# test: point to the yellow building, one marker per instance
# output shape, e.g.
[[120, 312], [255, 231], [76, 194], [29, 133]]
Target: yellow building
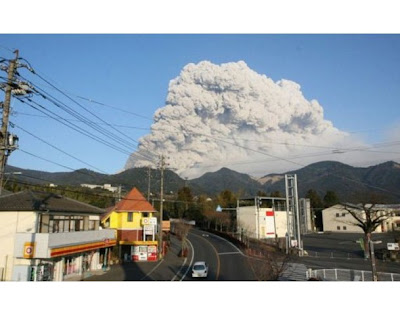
[[136, 227]]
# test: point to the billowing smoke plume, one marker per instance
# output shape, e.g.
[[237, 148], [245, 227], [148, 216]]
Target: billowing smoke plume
[[230, 116]]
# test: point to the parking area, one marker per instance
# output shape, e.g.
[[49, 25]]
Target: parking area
[[345, 243]]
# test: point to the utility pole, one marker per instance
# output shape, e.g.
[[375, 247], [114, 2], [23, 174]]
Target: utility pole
[[7, 141], [162, 166], [148, 184], [373, 262]]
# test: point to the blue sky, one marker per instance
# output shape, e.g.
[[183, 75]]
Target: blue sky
[[355, 78]]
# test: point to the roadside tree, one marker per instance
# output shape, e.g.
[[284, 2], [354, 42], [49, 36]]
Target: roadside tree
[[181, 229], [266, 262], [368, 218]]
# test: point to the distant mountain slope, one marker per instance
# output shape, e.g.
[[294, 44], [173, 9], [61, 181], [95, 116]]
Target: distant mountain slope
[[136, 177], [226, 179], [348, 182]]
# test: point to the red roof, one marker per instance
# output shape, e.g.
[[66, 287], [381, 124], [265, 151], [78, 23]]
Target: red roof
[[134, 201]]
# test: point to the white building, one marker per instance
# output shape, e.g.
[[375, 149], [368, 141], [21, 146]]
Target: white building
[[266, 217], [337, 219], [105, 187], [51, 238]]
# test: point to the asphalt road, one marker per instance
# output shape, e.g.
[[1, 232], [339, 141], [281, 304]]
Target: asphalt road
[[226, 262], [341, 251]]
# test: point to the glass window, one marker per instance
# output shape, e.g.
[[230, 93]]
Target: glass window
[[130, 216], [72, 226], [337, 214], [92, 225], [66, 225], [338, 228]]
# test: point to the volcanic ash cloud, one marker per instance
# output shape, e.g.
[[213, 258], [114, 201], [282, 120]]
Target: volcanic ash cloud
[[230, 116]]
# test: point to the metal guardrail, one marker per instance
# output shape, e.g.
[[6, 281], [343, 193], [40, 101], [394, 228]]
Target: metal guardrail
[[349, 275], [330, 254]]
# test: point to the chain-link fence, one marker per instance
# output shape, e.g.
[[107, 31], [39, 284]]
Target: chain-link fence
[[349, 275]]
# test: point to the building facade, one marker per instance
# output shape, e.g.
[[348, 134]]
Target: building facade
[[135, 223], [338, 219], [266, 217], [48, 237]]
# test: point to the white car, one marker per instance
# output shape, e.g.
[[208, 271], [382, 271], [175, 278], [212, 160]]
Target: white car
[[200, 269]]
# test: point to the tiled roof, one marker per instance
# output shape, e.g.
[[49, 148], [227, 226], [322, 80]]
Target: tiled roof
[[134, 201], [43, 201]]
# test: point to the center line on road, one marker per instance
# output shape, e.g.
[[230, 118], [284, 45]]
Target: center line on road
[[230, 253]]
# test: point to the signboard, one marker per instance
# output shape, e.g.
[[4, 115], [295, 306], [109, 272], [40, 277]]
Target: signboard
[[151, 253], [148, 229], [149, 221], [270, 224], [139, 253], [29, 249], [393, 246]]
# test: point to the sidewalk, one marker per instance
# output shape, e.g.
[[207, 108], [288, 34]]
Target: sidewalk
[[171, 267]]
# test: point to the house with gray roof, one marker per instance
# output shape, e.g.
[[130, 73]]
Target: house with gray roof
[[45, 236]]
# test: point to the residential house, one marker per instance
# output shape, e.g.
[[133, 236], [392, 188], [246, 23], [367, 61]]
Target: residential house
[[135, 223], [49, 237], [338, 219]]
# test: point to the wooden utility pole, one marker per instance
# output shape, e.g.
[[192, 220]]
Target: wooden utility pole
[[160, 238], [4, 141], [148, 184]]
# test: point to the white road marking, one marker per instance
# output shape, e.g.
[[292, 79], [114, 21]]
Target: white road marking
[[230, 253], [162, 260], [184, 262], [240, 252]]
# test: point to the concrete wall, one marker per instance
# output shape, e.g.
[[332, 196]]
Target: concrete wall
[[281, 223], [336, 219], [12, 222], [246, 220]]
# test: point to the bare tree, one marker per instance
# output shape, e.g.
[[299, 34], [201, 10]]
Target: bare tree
[[182, 229], [267, 262], [368, 218]]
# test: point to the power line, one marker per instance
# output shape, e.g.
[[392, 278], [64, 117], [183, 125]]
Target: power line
[[76, 120], [52, 162], [60, 119], [58, 149], [83, 119], [114, 107]]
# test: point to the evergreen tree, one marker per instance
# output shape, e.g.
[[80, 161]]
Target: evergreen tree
[[330, 199], [316, 208]]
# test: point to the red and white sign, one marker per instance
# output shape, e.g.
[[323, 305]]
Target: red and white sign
[[149, 221], [270, 224], [29, 249]]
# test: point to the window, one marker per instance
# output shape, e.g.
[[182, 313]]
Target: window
[[62, 224], [337, 215], [145, 214], [343, 214], [345, 228], [130, 216], [338, 228], [92, 225]]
